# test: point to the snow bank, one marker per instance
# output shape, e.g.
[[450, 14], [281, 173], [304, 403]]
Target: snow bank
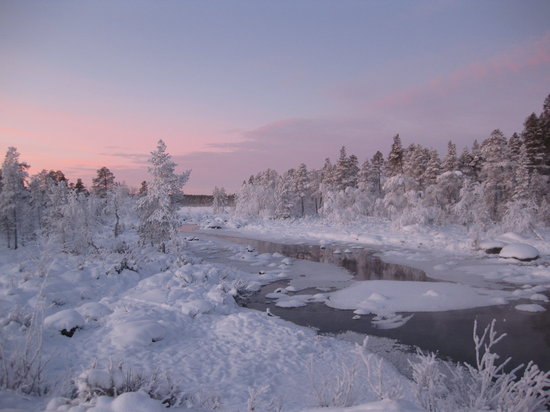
[[385, 405]]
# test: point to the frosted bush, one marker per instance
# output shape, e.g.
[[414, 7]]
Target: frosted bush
[[483, 386], [378, 384], [118, 378], [22, 369], [334, 389]]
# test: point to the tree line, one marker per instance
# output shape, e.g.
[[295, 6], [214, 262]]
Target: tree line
[[498, 181], [47, 206]]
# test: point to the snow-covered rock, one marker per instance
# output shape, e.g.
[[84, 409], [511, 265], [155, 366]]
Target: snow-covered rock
[[520, 251], [129, 401], [93, 311], [491, 246], [65, 321], [138, 333]]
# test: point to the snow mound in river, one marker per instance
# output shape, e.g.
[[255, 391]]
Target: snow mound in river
[[521, 251]]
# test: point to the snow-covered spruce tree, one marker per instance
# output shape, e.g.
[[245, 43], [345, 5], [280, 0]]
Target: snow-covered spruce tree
[[14, 197], [394, 163], [376, 177], [496, 174], [449, 163], [415, 160], [533, 139], [433, 169], [544, 122], [219, 200], [477, 161], [514, 147], [464, 163], [300, 183], [157, 217]]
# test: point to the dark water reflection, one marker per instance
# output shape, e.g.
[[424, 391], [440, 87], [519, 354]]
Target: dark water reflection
[[360, 262], [448, 333]]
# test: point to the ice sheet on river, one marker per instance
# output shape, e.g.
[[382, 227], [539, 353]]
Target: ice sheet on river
[[383, 297]]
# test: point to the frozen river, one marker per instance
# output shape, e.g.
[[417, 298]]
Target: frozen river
[[448, 332]]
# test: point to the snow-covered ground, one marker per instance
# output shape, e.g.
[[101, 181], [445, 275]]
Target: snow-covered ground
[[167, 319], [169, 323]]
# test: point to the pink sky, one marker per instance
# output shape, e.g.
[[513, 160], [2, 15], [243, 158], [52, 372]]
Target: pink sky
[[235, 89]]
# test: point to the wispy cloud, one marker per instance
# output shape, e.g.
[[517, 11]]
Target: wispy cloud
[[134, 158], [517, 59]]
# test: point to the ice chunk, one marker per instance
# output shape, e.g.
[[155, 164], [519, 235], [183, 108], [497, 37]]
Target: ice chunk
[[533, 307], [539, 296]]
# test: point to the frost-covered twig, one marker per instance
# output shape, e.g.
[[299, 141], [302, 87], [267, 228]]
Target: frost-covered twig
[[23, 369], [338, 389], [382, 387]]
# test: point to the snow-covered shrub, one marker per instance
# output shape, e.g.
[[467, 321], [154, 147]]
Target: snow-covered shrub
[[22, 368], [257, 400], [484, 386], [520, 216], [118, 378]]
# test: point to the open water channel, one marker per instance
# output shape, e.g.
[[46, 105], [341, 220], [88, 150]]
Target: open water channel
[[449, 333]]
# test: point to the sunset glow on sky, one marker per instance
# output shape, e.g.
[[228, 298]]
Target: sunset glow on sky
[[235, 87]]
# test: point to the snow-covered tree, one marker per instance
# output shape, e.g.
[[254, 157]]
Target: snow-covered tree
[[300, 183], [157, 217], [477, 161], [142, 188], [54, 224], [14, 196], [377, 170], [470, 209], [496, 173], [514, 147], [345, 172], [117, 206], [415, 160], [544, 122], [79, 186], [315, 188], [286, 198], [533, 139], [219, 200], [103, 182], [449, 163], [394, 163], [433, 168]]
